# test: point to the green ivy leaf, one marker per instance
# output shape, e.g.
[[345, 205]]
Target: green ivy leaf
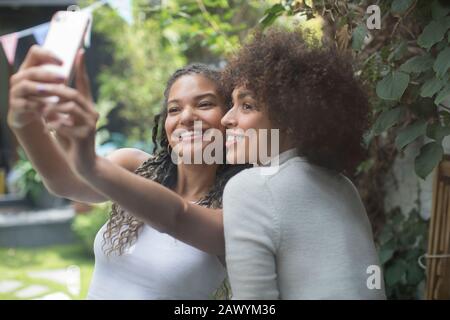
[[442, 95], [358, 35], [432, 33], [399, 51], [442, 62], [431, 86], [428, 158], [386, 254], [417, 64], [385, 236], [395, 272], [271, 14], [387, 119], [437, 132], [393, 85], [414, 274], [400, 6], [410, 133], [438, 10]]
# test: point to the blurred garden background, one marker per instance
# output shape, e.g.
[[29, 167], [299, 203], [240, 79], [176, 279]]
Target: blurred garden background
[[46, 242]]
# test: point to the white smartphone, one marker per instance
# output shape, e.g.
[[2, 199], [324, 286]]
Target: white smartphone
[[64, 38]]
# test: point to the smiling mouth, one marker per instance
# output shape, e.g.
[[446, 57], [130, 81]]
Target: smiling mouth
[[191, 135], [233, 139]]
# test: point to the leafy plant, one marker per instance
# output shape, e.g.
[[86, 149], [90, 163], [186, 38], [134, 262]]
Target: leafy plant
[[401, 242], [26, 180]]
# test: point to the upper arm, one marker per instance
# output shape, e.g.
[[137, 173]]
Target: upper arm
[[251, 237], [128, 158]]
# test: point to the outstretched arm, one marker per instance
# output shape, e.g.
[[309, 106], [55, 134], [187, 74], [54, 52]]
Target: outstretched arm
[[158, 206], [24, 118], [147, 200]]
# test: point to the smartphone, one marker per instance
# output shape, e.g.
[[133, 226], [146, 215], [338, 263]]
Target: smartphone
[[64, 38]]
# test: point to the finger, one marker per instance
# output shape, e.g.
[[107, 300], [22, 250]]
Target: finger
[[63, 111], [65, 131], [82, 82], [65, 93], [28, 88], [37, 56], [52, 115], [37, 74], [28, 105], [61, 135], [59, 118]]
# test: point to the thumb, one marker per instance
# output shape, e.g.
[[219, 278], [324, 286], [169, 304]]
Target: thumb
[[82, 82]]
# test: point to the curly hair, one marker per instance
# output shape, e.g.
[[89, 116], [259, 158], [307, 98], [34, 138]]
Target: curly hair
[[122, 228], [309, 92]]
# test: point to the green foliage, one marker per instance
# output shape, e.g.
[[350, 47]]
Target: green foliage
[[429, 157], [87, 225], [140, 68], [359, 33], [393, 86], [271, 14], [401, 242], [387, 119], [427, 74], [410, 133], [417, 64], [27, 180], [400, 6]]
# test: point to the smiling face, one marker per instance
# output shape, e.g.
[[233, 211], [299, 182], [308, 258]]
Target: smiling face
[[245, 114], [192, 98]]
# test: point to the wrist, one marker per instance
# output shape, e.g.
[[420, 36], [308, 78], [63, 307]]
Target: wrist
[[29, 128], [89, 168], [17, 125]]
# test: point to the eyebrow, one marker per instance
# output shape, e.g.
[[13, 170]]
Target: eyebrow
[[199, 97], [243, 94]]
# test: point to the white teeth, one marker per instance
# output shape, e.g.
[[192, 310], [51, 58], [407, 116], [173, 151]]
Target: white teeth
[[235, 137], [190, 133]]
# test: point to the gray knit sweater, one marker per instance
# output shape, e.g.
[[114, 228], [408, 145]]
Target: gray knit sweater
[[301, 233]]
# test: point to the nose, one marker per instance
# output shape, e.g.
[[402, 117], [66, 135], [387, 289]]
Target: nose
[[188, 116], [229, 119]]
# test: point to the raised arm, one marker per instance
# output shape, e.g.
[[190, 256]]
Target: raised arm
[[26, 105], [158, 206]]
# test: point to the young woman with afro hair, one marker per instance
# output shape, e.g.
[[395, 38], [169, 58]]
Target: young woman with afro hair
[[300, 232]]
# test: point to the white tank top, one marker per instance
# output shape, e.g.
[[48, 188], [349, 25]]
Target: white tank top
[[157, 266]]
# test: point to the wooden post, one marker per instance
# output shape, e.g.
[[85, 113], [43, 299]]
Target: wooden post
[[438, 256]]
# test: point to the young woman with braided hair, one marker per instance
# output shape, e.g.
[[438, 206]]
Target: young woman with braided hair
[[136, 258]]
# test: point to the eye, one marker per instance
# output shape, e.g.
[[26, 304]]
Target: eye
[[247, 107], [205, 104], [173, 109]]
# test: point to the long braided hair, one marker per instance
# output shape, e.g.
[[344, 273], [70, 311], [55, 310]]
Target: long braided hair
[[122, 229]]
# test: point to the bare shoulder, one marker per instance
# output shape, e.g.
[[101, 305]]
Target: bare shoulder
[[128, 158]]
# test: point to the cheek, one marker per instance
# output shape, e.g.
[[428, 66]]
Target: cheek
[[213, 119], [254, 120], [169, 127]]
